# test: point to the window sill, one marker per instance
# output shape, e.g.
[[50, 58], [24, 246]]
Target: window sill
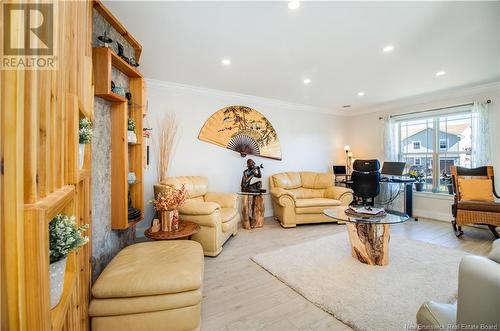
[[432, 195]]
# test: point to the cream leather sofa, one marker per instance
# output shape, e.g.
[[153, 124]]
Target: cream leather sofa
[[150, 286], [478, 302], [216, 213], [301, 197]]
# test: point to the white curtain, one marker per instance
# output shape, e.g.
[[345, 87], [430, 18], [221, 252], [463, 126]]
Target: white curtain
[[390, 140], [481, 145]]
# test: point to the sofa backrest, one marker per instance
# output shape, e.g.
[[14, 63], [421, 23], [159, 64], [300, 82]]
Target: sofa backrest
[[197, 186], [303, 184]]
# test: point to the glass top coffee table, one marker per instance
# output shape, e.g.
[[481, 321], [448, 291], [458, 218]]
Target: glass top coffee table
[[369, 236]]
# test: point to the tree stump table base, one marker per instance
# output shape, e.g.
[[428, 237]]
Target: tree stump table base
[[253, 211], [370, 242]]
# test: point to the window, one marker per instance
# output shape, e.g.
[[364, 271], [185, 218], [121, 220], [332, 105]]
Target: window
[[443, 143], [433, 144]]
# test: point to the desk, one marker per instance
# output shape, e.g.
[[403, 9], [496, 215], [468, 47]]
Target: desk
[[408, 183], [408, 190]]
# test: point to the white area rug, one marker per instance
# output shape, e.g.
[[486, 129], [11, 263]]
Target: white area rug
[[362, 296]]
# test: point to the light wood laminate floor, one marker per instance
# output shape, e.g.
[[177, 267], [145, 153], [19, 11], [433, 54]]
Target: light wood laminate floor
[[240, 295]]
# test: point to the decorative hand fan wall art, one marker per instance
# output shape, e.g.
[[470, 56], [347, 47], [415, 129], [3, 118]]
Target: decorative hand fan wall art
[[243, 130]]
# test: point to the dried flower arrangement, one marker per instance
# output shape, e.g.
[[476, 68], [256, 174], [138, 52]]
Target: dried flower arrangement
[[170, 198], [168, 133], [131, 124]]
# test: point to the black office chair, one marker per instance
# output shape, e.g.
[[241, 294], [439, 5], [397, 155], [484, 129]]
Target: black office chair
[[365, 181]]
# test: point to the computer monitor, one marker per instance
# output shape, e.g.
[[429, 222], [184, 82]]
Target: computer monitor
[[339, 170], [393, 168]]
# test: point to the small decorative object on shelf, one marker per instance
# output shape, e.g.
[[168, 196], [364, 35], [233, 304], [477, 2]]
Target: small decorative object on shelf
[[131, 136], [65, 236], [131, 177], [121, 54], [105, 39], [251, 172], [117, 89], [166, 204], [134, 214], [85, 137], [133, 62], [128, 96], [419, 176]]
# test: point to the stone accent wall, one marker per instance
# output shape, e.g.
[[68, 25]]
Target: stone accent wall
[[106, 243]]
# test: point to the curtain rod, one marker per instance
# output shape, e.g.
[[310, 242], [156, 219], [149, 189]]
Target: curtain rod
[[433, 109]]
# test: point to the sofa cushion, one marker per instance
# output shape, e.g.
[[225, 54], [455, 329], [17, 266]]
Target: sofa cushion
[[144, 304], [316, 202], [317, 180], [227, 214], [492, 207], [307, 193], [152, 268], [195, 185], [287, 180]]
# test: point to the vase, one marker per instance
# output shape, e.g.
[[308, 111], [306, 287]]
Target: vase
[[419, 186], [57, 271], [131, 137], [81, 155], [166, 217], [175, 220]]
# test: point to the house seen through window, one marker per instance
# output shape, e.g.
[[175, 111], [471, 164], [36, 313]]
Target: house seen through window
[[433, 144]]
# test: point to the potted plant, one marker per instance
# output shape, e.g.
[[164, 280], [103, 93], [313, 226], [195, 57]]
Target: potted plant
[[64, 237], [447, 181], [131, 137], [418, 175], [167, 203], [85, 133]]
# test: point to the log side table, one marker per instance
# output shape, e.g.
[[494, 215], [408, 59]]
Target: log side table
[[369, 236], [185, 231], [252, 210]]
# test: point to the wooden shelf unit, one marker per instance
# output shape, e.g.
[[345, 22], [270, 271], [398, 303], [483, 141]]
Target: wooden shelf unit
[[126, 157]]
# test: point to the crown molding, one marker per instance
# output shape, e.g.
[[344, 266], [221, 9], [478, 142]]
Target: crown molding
[[416, 100], [246, 97]]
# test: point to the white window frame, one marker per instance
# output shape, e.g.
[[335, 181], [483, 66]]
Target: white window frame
[[419, 144], [436, 151]]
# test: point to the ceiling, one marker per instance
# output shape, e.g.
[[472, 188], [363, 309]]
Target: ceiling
[[338, 45]]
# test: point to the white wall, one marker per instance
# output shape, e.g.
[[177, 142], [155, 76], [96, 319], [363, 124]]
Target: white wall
[[366, 136], [310, 140]]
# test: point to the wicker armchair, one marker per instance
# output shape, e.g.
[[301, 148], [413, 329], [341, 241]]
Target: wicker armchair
[[474, 212]]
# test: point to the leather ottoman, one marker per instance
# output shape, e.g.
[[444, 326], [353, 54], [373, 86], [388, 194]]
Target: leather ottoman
[[150, 286]]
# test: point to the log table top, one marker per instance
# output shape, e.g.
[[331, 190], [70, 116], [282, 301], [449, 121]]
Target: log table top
[[185, 231]]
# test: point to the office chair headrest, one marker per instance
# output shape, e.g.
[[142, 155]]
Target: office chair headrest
[[366, 165]]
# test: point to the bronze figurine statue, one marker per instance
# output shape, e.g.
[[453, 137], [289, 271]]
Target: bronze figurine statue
[[251, 172]]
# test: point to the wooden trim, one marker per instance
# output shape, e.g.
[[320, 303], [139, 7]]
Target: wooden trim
[[120, 28]]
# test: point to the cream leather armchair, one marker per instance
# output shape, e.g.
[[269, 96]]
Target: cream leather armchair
[[478, 302], [301, 197], [216, 213]]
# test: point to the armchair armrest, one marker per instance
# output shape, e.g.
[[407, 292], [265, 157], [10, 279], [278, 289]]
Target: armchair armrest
[[193, 207], [225, 200], [339, 193], [282, 196]]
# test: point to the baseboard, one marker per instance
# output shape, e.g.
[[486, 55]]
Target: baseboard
[[443, 217]]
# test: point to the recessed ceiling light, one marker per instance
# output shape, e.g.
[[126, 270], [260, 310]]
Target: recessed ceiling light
[[361, 94], [293, 5], [388, 48], [346, 106], [440, 73], [307, 81], [225, 62]]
